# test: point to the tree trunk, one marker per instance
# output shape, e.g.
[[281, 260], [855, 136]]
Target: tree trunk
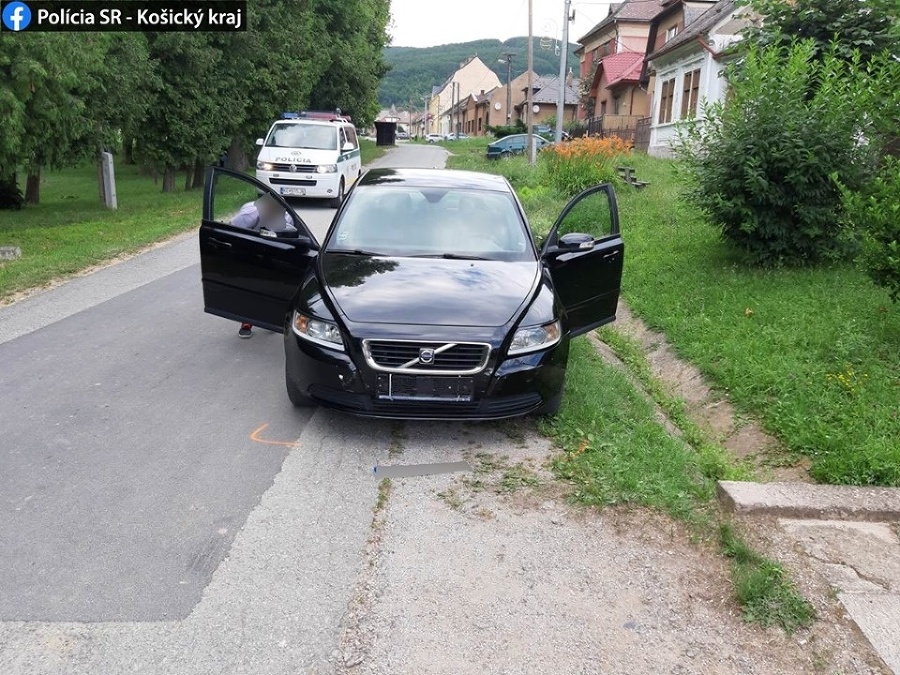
[[128, 149], [199, 173], [10, 195], [188, 177], [237, 158], [169, 179], [33, 188]]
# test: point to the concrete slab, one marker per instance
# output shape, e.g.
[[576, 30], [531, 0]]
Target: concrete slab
[[860, 556], [801, 500], [878, 617]]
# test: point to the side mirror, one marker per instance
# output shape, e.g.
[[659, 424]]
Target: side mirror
[[259, 141], [575, 241], [269, 234], [348, 146]]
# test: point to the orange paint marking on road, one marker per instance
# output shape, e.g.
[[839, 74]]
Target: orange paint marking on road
[[255, 437]]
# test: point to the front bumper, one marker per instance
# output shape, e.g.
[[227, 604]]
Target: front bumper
[[509, 387], [313, 185]]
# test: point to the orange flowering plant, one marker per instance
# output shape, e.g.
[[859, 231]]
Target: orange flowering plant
[[578, 164]]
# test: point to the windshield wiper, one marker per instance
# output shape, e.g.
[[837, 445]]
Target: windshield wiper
[[358, 251], [450, 256]]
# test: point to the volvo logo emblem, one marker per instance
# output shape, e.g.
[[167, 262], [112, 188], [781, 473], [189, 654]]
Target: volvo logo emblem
[[426, 356], [293, 168]]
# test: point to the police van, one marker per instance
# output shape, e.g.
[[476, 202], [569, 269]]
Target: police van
[[310, 154]]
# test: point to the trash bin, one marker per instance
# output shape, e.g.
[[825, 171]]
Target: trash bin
[[385, 133]]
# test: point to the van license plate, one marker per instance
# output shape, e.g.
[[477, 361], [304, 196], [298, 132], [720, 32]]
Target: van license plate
[[293, 192]]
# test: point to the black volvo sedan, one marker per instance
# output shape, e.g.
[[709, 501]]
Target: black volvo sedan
[[430, 297]]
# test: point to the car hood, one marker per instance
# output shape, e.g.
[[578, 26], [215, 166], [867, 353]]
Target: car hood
[[428, 291]]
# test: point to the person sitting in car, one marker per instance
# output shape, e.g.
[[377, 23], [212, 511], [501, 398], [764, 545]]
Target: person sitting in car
[[264, 213]]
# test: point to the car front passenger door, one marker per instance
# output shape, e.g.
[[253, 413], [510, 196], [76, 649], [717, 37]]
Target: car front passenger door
[[585, 253]]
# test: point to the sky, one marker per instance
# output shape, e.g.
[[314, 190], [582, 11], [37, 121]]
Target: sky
[[425, 23]]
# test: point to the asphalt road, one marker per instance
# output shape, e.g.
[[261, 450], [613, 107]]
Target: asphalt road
[[137, 434]]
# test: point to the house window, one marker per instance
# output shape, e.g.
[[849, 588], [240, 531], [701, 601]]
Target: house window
[[690, 94], [665, 101], [602, 108], [671, 32], [615, 105]]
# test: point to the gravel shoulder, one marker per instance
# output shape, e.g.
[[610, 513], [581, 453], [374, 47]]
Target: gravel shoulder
[[493, 572]]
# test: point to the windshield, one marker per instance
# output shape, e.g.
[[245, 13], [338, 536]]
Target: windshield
[[310, 136], [439, 222]]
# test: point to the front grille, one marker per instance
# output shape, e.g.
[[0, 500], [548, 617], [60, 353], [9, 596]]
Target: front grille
[[292, 181], [301, 168], [449, 358]]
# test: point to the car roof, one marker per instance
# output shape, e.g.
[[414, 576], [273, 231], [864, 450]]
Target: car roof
[[442, 178], [313, 120], [514, 136]]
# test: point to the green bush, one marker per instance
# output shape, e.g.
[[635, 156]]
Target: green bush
[[503, 131], [874, 213], [761, 165]]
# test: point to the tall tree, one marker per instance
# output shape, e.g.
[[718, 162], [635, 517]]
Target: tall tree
[[353, 50], [191, 100], [867, 26], [45, 83], [119, 93]]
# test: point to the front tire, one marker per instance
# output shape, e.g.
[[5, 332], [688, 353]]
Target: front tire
[[551, 407], [297, 397], [336, 202]]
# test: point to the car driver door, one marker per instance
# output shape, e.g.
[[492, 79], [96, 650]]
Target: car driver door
[[584, 253], [249, 274]]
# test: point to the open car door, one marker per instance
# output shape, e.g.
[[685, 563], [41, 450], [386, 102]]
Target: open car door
[[250, 272], [585, 253]]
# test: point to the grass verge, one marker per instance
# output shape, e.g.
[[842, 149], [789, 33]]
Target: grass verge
[[814, 354], [370, 150], [614, 450], [71, 230]]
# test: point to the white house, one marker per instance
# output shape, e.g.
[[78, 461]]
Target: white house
[[688, 69]]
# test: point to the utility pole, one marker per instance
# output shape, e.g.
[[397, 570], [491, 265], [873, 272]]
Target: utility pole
[[532, 154], [561, 101], [508, 57], [456, 117]]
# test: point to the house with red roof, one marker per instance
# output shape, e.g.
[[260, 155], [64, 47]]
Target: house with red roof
[[618, 93]]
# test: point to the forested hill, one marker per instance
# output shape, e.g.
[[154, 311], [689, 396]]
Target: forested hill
[[415, 70]]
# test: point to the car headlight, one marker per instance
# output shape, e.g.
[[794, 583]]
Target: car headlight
[[327, 168], [533, 338], [265, 166], [321, 332]]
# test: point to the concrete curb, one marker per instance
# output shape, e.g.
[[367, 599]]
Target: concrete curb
[[817, 502]]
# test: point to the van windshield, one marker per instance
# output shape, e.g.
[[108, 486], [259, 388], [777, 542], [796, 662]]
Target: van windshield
[[310, 136]]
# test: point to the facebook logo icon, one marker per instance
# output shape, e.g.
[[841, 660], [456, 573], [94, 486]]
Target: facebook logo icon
[[16, 16]]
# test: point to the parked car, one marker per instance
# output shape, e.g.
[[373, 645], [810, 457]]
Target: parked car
[[515, 144], [429, 297], [452, 136], [434, 138], [403, 135]]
